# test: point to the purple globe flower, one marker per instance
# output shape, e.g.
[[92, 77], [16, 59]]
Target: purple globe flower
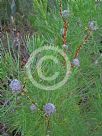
[[49, 108], [15, 86], [93, 25], [76, 62], [33, 107]]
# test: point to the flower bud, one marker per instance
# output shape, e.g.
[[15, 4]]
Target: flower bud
[[65, 15], [76, 62], [33, 107], [92, 25]]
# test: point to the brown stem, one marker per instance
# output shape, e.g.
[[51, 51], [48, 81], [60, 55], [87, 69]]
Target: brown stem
[[65, 26], [61, 7], [30, 99], [65, 32], [86, 38], [47, 118]]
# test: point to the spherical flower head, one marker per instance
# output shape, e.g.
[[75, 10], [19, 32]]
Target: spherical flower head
[[93, 25], [49, 108], [76, 62], [33, 107], [15, 86], [65, 14]]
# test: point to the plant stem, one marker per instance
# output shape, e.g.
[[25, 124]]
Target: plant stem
[[65, 32], [47, 118], [86, 38], [61, 7]]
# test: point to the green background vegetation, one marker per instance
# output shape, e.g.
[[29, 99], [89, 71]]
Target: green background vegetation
[[79, 102]]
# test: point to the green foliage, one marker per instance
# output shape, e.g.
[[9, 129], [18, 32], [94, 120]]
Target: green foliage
[[79, 102], [16, 8]]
